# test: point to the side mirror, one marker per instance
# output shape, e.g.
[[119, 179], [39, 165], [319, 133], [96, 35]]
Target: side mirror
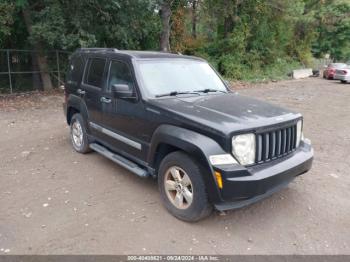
[[122, 91]]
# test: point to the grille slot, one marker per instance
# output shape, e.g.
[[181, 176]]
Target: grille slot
[[274, 144]]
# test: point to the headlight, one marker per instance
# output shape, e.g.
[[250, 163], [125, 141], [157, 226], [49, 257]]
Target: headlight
[[299, 132], [243, 148]]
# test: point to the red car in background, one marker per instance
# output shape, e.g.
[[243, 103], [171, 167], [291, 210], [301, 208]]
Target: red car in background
[[329, 72]]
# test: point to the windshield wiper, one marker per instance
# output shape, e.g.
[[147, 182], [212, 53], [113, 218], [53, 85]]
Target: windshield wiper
[[208, 90], [175, 93]]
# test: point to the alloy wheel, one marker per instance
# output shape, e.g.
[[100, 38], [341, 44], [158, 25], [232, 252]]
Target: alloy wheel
[[77, 134], [178, 187]]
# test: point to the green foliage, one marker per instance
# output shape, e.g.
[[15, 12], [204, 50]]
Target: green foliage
[[69, 24], [6, 21], [333, 31], [269, 38], [243, 39], [264, 41], [122, 24]]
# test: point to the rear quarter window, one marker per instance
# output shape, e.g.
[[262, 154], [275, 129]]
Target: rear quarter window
[[75, 70]]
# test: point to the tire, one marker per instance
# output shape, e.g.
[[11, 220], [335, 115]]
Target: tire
[[343, 81], [181, 164], [80, 145]]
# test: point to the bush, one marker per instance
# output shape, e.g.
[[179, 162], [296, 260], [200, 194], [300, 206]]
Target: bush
[[250, 67]]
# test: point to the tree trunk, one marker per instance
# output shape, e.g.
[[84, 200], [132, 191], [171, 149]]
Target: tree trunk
[[232, 17], [194, 18], [36, 80], [40, 56], [228, 25], [165, 14]]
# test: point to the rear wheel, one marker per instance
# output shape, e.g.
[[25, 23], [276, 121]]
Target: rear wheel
[[182, 187], [78, 134], [343, 81]]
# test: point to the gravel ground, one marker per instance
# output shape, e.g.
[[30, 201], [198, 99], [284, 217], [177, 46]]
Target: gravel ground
[[56, 201]]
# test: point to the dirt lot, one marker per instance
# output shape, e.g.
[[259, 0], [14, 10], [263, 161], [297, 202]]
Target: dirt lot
[[55, 201]]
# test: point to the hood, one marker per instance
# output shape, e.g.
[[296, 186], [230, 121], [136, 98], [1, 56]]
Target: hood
[[225, 113]]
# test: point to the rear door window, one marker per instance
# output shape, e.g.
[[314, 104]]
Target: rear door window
[[95, 70]]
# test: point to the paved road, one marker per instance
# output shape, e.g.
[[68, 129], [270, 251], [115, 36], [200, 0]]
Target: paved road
[[55, 201]]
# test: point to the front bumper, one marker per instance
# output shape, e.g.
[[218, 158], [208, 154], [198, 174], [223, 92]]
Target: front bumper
[[243, 186]]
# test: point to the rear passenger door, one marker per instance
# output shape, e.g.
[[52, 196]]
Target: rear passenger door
[[93, 82]]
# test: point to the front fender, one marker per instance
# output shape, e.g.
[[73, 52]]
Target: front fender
[[198, 146]]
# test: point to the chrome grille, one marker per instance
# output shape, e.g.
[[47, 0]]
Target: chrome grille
[[274, 144]]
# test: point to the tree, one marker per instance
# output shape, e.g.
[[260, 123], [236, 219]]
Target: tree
[[39, 55], [255, 36], [6, 21], [165, 14], [332, 22], [49, 24], [195, 5]]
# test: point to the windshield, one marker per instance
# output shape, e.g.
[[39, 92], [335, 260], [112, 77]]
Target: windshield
[[161, 77]]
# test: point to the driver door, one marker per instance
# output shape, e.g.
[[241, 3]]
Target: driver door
[[124, 118]]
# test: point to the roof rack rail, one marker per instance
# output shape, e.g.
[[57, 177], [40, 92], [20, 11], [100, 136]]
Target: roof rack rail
[[94, 49]]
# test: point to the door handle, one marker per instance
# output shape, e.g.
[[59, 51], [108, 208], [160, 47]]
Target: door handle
[[105, 100], [80, 92]]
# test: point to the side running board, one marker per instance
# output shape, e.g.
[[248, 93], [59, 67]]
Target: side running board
[[122, 161]]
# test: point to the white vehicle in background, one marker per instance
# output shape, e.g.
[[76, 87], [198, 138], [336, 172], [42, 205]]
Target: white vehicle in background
[[343, 74]]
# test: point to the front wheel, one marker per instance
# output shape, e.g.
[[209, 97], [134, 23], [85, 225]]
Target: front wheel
[[343, 81], [182, 187], [78, 134]]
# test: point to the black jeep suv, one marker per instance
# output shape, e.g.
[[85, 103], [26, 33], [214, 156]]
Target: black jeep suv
[[172, 117]]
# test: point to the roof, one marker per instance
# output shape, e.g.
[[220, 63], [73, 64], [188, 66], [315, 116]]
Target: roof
[[138, 54]]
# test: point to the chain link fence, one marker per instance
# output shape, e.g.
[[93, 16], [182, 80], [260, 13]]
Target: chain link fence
[[19, 70]]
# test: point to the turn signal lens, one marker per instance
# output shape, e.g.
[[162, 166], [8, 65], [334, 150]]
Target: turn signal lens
[[218, 179], [223, 159]]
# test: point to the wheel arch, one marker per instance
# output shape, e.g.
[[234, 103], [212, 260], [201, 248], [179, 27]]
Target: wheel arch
[[168, 138], [70, 112], [162, 150], [76, 105]]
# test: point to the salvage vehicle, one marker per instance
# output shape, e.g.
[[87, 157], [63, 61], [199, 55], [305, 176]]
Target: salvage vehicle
[[172, 117]]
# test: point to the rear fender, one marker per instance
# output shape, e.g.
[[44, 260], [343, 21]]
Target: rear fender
[[78, 104]]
